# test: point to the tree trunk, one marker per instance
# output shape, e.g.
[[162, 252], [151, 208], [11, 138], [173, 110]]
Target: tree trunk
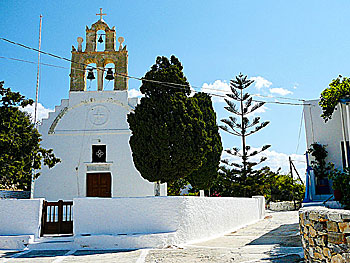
[[157, 188]]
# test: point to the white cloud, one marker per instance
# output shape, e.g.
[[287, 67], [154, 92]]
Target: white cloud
[[281, 91], [276, 160], [260, 82], [219, 87], [193, 91], [134, 93], [262, 109], [222, 88], [42, 112]]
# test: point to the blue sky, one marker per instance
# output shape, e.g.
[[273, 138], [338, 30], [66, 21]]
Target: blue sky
[[293, 49]]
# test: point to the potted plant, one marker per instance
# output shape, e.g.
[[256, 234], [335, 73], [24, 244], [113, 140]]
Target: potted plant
[[341, 186], [336, 177]]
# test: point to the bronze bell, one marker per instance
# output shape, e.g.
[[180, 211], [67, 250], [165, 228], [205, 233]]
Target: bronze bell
[[100, 40], [109, 75], [90, 75]]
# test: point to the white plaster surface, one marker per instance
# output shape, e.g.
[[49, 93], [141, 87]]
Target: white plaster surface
[[20, 217], [15, 242], [77, 128], [327, 133], [137, 241], [169, 220]]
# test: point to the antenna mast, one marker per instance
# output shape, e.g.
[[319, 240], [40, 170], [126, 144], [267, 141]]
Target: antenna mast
[[37, 77], [36, 99]]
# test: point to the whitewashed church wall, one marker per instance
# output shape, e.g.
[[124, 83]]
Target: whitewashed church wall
[[329, 133], [72, 141], [187, 218], [20, 217]]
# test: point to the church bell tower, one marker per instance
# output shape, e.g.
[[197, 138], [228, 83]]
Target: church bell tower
[[81, 59]]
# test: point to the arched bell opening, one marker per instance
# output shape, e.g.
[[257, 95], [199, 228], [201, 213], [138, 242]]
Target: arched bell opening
[[100, 40], [109, 76], [91, 77]]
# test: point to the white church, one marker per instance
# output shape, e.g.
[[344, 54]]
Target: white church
[[89, 131]]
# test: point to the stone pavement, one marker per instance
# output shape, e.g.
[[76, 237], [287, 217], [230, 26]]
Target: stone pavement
[[274, 239]]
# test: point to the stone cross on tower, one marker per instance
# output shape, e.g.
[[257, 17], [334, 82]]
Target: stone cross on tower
[[100, 14]]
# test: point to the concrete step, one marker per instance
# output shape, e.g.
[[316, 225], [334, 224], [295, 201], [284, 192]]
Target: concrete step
[[53, 243]]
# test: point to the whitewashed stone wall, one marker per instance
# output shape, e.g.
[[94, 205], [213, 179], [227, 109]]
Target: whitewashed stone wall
[[20, 217], [165, 220]]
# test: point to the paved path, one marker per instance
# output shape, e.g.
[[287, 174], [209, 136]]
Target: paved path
[[274, 239]]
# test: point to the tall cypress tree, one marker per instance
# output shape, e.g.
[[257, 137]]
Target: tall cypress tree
[[240, 125], [204, 176], [170, 137]]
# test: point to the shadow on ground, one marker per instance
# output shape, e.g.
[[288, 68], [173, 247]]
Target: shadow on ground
[[55, 253], [288, 243]]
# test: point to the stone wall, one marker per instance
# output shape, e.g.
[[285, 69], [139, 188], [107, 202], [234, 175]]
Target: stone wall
[[284, 206], [14, 194], [325, 234]]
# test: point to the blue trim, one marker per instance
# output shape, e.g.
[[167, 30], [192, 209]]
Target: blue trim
[[307, 198], [344, 100]]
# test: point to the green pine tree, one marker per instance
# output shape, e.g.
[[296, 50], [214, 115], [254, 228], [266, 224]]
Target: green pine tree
[[240, 125]]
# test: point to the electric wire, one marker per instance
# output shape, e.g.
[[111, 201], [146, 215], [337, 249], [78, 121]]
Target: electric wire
[[56, 66], [300, 126], [164, 83]]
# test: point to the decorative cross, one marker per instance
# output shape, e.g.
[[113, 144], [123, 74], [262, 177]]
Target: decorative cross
[[98, 115], [99, 153], [100, 14]]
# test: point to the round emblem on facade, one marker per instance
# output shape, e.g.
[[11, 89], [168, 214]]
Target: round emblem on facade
[[98, 115]]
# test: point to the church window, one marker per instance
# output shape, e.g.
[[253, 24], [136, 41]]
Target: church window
[[99, 153]]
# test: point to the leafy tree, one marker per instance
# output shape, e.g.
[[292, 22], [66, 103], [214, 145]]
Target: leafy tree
[[338, 89], [341, 182], [170, 137], [273, 185], [243, 127], [284, 188], [20, 150]]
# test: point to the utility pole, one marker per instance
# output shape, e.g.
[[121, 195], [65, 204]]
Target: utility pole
[[36, 102], [291, 175]]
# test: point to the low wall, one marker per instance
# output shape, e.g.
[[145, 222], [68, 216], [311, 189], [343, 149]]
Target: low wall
[[325, 234], [284, 206], [14, 194], [20, 217], [173, 220]]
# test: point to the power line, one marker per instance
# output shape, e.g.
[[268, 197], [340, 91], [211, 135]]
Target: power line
[[32, 62], [300, 126], [164, 83]]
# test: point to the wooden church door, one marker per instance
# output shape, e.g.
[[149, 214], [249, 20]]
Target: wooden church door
[[98, 185]]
